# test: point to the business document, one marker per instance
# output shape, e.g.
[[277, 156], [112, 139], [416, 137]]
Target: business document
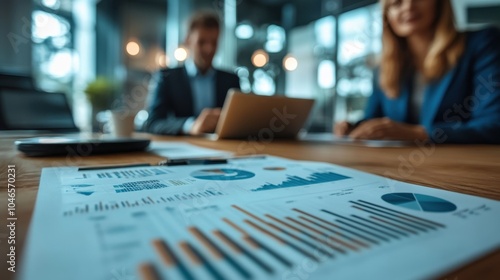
[[253, 218]]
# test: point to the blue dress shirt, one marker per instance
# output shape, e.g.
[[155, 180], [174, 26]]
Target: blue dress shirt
[[203, 90]]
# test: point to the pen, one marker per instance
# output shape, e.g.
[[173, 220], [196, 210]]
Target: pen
[[175, 162], [205, 161]]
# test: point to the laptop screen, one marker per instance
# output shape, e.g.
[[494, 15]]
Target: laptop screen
[[34, 110]]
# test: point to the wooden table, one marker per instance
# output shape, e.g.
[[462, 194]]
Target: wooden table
[[471, 169]]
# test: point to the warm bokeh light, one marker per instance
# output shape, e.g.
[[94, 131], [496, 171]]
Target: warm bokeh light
[[260, 58], [133, 48], [162, 60], [290, 63], [180, 54]]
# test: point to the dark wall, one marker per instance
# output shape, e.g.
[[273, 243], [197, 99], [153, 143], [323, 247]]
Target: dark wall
[[108, 38], [488, 14], [315, 9], [15, 34], [119, 20], [306, 11]]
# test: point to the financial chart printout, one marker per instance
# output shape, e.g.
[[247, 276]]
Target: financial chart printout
[[255, 218]]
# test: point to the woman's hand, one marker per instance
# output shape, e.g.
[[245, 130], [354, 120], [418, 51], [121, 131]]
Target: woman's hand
[[387, 129]]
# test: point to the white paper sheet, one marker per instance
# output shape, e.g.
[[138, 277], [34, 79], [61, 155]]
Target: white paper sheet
[[180, 150], [330, 138], [266, 218]]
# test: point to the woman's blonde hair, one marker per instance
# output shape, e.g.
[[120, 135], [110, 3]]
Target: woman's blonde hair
[[445, 50]]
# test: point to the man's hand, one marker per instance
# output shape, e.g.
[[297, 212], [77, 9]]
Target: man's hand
[[206, 121], [342, 128], [387, 129]]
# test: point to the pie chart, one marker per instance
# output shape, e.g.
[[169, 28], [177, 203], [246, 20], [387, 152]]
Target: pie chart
[[419, 202], [222, 174]]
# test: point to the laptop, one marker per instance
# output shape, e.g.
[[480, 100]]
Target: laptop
[[29, 112], [264, 117], [35, 111]]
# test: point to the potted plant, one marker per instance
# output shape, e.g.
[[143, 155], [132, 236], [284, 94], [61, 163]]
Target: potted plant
[[101, 93]]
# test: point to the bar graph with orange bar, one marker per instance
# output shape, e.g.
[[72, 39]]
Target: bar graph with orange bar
[[250, 242]]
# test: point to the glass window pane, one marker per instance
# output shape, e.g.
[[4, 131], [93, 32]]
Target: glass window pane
[[360, 43]]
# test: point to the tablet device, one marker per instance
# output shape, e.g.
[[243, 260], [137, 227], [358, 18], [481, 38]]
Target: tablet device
[[249, 115], [48, 146]]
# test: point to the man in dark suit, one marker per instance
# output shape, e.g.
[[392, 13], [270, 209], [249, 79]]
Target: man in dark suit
[[187, 100]]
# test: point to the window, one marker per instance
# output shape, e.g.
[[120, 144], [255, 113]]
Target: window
[[54, 58], [360, 33]]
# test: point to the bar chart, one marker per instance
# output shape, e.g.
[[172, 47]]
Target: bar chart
[[296, 181], [74, 176], [101, 206], [130, 173], [255, 243]]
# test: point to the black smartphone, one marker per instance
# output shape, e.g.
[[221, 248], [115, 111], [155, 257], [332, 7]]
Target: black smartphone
[[49, 146]]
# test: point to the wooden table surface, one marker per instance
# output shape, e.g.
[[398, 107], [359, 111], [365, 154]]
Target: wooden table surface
[[471, 169]]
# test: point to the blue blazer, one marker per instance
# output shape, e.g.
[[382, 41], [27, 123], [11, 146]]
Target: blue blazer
[[172, 100], [461, 107]]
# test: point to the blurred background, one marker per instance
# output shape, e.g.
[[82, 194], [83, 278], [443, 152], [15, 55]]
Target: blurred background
[[321, 49]]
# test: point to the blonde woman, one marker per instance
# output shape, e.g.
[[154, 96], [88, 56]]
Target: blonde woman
[[434, 83]]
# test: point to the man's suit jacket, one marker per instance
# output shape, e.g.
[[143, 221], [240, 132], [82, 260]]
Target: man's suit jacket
[[172, 102], [461, 107]]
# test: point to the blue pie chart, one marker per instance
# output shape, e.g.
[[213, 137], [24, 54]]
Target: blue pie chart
[[222, 174], [419, 202]]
